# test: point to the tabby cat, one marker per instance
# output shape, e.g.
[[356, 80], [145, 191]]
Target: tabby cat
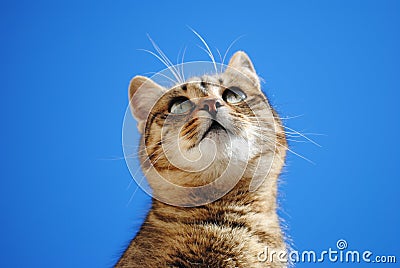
[[212, 149]]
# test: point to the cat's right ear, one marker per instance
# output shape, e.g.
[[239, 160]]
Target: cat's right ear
[[143, 95], [242, 63]]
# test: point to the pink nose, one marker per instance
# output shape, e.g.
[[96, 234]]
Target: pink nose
[[210, 105]]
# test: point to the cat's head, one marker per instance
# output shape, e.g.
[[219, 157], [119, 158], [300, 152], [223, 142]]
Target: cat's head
[[194, 132]]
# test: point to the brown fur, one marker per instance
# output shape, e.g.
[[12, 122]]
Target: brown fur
[[232, 230]]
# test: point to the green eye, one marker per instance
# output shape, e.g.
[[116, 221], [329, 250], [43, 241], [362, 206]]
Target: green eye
[[180, 106], [233, 95]]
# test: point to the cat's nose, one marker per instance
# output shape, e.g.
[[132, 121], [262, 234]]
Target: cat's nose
[[210, 105]]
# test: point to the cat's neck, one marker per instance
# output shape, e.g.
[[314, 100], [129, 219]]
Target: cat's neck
[[261, 201]]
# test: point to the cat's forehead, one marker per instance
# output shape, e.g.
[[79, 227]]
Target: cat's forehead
[[213, 85], [200, 86]]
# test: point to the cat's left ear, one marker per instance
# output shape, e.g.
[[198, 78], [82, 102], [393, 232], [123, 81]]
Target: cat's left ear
[[241, 62], [143, 95]]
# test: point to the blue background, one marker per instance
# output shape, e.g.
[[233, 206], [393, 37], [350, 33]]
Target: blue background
[[65, 69]]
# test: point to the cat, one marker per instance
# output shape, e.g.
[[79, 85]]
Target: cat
[[212, 149]]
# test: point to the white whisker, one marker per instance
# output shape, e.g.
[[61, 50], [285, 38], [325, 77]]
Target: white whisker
[[165, 76], [302, 135], [220, 58], [166, 59], [182, 64], [165, 63], [230, 46], [265, 138], [208, 48]]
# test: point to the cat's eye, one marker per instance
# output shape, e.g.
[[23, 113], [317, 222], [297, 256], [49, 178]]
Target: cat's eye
[[180, 106], [233, 95]]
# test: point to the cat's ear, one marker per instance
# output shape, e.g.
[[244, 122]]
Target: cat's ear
[[242, 63], [143, 95]]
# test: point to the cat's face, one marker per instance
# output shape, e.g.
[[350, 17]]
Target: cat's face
[[194, 131]]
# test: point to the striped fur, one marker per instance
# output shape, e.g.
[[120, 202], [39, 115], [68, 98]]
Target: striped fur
[[232, 230]]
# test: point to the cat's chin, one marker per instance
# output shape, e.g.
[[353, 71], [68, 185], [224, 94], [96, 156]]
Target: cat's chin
[[215, 131], [218, 137], [224, 147]]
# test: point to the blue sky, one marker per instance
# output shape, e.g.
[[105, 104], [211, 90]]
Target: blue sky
[[65, 68]]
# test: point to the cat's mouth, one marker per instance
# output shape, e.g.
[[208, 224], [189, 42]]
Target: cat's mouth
[[214, 128]]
